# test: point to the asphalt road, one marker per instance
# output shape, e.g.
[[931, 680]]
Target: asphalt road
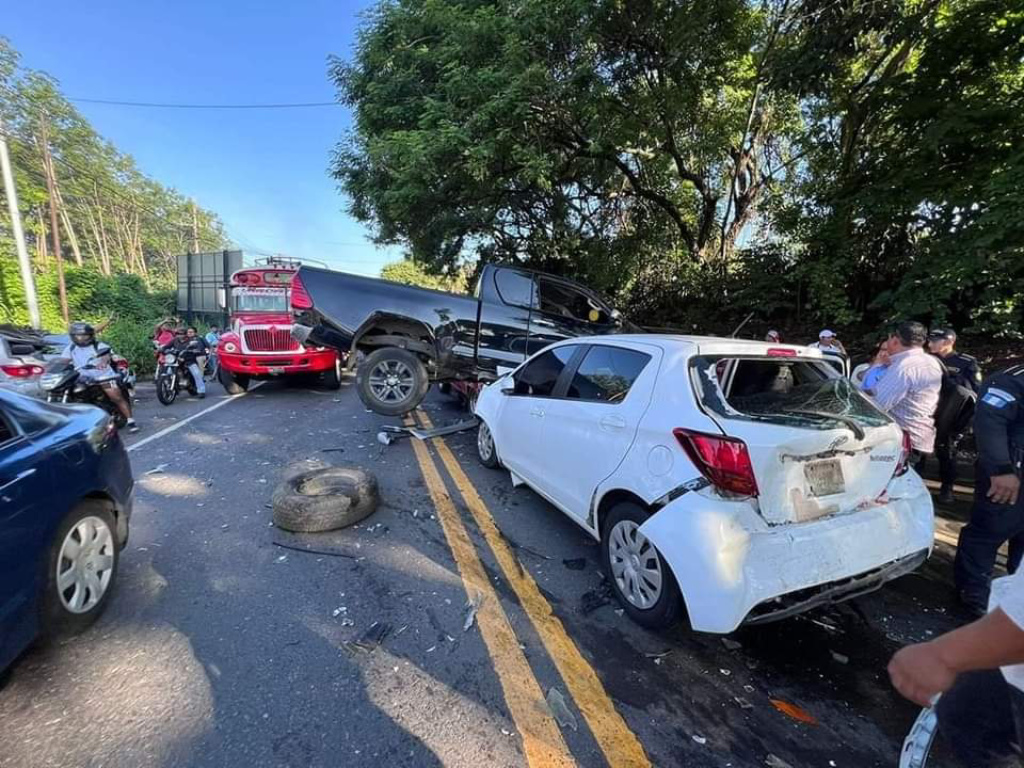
[[221, 648]]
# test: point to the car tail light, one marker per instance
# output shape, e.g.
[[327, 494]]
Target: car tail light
[[780, 352], [300, 298], [22, 371], [905, 451], [724, 461]]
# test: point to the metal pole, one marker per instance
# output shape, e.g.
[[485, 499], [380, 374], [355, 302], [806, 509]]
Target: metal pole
[[19, 237]]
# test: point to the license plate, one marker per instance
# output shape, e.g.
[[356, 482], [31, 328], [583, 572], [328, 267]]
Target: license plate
[[276, 370], [825, 478]]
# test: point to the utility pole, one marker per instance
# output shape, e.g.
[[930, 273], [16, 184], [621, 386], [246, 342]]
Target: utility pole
[[54, 229], [19, 237], [195, 228]]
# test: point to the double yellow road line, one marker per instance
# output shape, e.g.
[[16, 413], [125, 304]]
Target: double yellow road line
[[543, 743]]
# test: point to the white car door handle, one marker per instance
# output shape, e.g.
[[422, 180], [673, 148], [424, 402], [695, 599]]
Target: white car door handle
[[613, 423], [538, 412], [19, 476]]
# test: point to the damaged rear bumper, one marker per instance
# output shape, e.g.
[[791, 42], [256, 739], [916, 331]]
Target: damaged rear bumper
[[733, 568]]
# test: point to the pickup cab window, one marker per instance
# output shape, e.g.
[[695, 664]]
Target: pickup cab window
[[563, 300], [516, 288], [539, 377]]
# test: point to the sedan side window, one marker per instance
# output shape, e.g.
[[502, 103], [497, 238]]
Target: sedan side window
[[606, 374], [7, 431], [539, 377]]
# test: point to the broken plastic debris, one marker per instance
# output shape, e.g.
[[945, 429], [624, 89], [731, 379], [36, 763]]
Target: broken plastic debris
[[338, 611], [776, 762], [731, 645], [575, 564], [560, 710], [699, 739], [282, 558], [841, 658], [744, 704], [725, 672], [472, 606], [158, 469], [795, 712], [658, 656]]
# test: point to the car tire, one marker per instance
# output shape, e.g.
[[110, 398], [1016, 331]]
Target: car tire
[[325, 499], [233, 384], [486, 450], [392, 371], [620, 538], [166, 391], [330, 380], [85, 543]]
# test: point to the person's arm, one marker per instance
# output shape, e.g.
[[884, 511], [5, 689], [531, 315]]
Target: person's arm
[[891, 389], [922, 671], [973, 376]]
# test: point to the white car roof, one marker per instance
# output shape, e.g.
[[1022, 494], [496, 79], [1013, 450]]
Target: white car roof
[[677, 342]]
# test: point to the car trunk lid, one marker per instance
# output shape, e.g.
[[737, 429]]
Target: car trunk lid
[[817, 446]]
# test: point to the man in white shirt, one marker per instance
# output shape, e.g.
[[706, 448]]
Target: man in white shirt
[[92, 360], [979, 670], [829, 344], [909, 391]]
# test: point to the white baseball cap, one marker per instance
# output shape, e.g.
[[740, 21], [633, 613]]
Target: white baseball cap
[[826, 334]]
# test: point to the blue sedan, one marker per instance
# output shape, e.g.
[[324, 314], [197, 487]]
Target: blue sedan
[[65, 501]]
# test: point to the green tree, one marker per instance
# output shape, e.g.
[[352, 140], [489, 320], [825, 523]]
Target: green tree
[[409, 272]]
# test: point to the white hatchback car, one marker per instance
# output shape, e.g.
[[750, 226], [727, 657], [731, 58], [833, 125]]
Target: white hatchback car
[[738, 481]]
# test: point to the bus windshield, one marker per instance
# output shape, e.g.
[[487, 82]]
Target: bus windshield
[[260, 299]]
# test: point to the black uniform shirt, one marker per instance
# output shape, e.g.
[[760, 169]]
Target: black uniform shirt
[[963, 369], [999, 422]]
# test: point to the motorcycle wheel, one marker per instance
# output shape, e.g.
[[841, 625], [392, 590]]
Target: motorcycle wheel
[[166, 389]]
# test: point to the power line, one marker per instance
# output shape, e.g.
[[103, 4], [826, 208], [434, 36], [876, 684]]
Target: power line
[[159, 105]]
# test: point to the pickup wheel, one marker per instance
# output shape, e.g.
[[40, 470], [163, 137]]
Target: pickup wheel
[[642, 580], [392, 381], [233, 385]]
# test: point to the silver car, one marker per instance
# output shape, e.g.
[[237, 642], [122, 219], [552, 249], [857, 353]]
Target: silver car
[[21, 364]]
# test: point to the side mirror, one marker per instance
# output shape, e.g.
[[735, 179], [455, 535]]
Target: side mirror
[[616, 317], [507, 386]]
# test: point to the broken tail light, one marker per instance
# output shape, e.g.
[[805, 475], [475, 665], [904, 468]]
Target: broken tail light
[[300, 297], [905, 452], [725, 461]]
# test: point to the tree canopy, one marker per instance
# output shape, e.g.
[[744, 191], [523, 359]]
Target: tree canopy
[[851, 161]]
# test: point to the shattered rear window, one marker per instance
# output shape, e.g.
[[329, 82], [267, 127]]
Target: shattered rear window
[[799, 392]]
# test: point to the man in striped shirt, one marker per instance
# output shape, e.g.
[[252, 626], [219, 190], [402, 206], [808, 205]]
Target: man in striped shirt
[[909, 391]]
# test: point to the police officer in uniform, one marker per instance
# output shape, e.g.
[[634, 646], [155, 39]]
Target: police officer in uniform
[[998, 513], [961, 371]]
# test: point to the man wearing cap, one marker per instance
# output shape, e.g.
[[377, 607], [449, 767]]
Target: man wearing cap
[[909, 391], [998, 513], [829, 344], [960, 389]]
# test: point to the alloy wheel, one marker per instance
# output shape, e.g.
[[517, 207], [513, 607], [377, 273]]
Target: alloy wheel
[[85, 565], [484, 442], [392, 381], [635, 564]]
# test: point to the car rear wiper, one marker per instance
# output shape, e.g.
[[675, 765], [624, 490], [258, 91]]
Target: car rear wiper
[[857, 429]]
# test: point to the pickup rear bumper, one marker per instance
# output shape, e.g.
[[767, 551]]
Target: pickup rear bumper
[[319, 335]]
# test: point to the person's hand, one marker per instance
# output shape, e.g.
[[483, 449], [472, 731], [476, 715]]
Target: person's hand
[[1003, 489], [919, 673]]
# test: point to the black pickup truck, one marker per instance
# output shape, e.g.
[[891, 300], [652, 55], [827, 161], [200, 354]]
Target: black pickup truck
[[412, 336]]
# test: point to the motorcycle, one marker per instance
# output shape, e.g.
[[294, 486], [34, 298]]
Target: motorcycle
[[173, 375], [63, 383]]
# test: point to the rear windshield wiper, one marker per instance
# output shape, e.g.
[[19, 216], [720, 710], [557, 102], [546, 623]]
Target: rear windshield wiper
[[857, 429]]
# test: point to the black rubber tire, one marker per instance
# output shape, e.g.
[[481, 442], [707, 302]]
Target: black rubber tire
[[56, 620], [420, 385], [488, 458], [190, 385], [325, 499], [329, 379], [233, 384], [166, 392], [669, 607]]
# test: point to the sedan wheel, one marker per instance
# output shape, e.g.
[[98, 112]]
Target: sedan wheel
[[85, 565], [643, 581], [485, 449], [635, 565]]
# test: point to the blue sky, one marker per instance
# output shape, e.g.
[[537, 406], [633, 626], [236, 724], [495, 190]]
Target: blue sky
[[263, 171]]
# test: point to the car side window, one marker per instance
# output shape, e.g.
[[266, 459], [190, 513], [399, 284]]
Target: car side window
[[7, 431], [563, 300], [516, 288], [606, 374], [539, 377]]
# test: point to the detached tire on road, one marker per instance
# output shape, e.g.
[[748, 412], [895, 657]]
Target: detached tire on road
[[325, 499], [233, 385], [392, 381]]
